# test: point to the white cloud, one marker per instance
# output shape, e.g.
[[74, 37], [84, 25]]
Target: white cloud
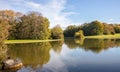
[[111, 19], [34, 5], [53, 9]]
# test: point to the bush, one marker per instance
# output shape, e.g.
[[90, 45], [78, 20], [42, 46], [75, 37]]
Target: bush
[[57, 32], [79, 34]]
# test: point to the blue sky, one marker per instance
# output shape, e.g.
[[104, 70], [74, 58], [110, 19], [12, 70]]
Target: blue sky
[[67, 12]]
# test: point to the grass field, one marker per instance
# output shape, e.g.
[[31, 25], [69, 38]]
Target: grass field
[[28, 41], [117, 36]]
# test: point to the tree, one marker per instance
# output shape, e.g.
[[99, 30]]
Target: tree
[[30, 26], [70, 31], [86, 29], [3, 30], [33, 26], [4, 26], [12, 18], [93, 28], [79, 34], [13, 25], [117, 28], [57, 32], [108, 29], [5, 16]]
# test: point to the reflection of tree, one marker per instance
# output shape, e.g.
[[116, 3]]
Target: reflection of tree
[[109, 43], [95, 45], [117, 42], [32, 54], [79, 41], [70, 43], [57, 46], [3, 50]]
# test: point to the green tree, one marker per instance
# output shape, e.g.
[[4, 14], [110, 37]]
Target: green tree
[[93, 28], [70, 31], [117, 28], [79, 34], [13, 25], [57, 32], [33, 26]]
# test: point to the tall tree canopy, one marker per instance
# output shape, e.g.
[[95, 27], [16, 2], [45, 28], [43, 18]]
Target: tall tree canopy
[[11, 18], [70, 31], [24, 26], [93, 28], [3, 30], [33, 26], [117, 28], [3, 25], [108, 29], [57, 32]]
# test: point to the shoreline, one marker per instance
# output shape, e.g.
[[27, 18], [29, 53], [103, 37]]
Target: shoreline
[[116, 36], [28, 41]]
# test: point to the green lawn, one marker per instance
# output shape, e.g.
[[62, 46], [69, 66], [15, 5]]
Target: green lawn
[[28, 41], [117, 36]]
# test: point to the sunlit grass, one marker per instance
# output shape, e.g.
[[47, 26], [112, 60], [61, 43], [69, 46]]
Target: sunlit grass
[[117, 36], [28, 41]]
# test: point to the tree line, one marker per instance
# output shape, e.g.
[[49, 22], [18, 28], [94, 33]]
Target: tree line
[[33, 25], [15, 25], [92, 28]]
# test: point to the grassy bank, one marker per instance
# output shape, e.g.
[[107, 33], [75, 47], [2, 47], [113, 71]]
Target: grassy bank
[[27, 41], [117, 36]]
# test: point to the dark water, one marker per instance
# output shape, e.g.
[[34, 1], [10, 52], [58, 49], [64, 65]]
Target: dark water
[[72, 55]]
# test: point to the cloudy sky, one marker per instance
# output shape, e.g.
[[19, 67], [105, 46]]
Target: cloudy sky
[[66, 12]]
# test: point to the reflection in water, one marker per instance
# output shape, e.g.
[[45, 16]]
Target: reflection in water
[[57, 46], [79, 41], [3, 53], [71, 43], [31, 54], [82, 60], [95, 45], [72, 56]]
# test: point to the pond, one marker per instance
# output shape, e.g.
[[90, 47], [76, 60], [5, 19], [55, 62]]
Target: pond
[[70, 55]]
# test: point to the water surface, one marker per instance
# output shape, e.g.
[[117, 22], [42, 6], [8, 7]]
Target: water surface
[[72, 55]]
